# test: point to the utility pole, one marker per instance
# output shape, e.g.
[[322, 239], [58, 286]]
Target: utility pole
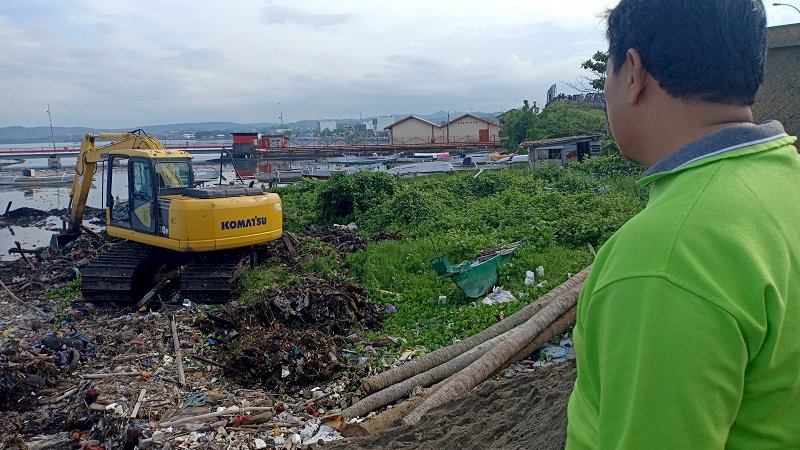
[[52, 136]]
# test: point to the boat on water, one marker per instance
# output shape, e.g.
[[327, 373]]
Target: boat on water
[[279, 176], [29, 178], [327, 172], [422, 168], [363, 160]]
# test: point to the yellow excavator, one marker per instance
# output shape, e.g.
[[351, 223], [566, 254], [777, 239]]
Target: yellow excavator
[[205, 235]]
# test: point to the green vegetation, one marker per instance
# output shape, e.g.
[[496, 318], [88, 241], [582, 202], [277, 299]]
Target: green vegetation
[[555, 211], [560, 118], [65, 294]]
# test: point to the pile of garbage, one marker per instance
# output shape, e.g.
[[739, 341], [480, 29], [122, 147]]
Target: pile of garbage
[[269, 373]]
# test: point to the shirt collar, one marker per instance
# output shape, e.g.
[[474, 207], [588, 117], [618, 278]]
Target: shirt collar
[[725, 140]]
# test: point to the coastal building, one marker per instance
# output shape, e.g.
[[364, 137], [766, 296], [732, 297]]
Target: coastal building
[[469, 128], [414, 130], [465, 129]]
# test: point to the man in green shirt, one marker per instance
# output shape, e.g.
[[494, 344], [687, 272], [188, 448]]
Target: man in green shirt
[[688, 328]]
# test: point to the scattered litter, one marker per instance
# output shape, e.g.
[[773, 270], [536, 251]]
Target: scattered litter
[[498, 295], [530, 278]]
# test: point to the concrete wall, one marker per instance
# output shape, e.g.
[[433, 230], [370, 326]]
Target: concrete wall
[[779, 96], [415, 131]]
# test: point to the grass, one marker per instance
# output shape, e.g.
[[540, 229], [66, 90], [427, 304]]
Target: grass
[[554, 211]]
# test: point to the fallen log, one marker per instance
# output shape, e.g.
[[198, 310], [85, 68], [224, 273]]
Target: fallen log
[[442, 371], [559, 326], [444, 354], [424, 379], [486, 365]]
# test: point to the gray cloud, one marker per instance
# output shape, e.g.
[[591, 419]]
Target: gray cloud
[[278, 14]]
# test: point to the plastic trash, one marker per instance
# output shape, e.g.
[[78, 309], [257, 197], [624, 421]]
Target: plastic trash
[[498, 296], [530, 278], [540, 271], [442, 299]]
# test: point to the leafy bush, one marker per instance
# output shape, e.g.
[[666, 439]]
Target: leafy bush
[[344, 196]]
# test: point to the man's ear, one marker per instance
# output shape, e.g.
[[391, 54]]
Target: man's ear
[[637, 77]]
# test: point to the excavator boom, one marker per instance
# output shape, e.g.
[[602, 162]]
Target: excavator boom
[[85, 168]]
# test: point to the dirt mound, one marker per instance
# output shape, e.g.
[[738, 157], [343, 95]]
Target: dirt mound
[[519, 413], [26, 217], [343, 239], [290, 338]]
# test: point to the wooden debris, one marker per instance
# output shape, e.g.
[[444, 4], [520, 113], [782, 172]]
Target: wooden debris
[[178, 353], [24, 257], [96, 376], [138, 403]]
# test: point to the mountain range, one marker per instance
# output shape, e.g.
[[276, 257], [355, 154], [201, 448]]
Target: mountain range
[[17, 134]]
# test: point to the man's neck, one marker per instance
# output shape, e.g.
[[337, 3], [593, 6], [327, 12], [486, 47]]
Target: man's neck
[[685, 123]]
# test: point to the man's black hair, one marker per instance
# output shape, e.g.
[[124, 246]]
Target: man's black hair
[[711, 50]]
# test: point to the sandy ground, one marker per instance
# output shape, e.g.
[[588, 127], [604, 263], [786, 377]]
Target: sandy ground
[[527, 411]]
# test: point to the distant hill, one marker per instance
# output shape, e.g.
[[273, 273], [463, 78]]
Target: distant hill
[[19, 135]]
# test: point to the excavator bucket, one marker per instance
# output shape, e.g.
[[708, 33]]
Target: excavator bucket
[[62, 239]]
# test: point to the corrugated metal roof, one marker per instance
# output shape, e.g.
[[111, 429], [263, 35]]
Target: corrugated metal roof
[[409, 118], [561, 140]]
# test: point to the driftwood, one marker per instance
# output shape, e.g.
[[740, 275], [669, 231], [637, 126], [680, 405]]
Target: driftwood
[[151, 293], [97, 376], [424, 379], [559, 326], [287, 241], [517, 341], [211, 415], [178, 352], [138, 404], [441, 372], [444, 354], [24, 257], [24, 303]]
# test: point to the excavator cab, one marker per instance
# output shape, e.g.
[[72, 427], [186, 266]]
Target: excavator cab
[[136, 185]]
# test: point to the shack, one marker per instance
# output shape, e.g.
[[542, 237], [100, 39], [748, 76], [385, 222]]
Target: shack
[[562, 150]]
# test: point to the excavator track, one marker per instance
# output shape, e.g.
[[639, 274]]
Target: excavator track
[[122, 274], [210, 278], [127, 271]]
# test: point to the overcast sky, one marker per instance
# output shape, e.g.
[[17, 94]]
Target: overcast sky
[[122, 63]]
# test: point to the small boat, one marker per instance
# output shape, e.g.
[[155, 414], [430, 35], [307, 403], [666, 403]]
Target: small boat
[[475, 278], [279, 176], [432, 156], [30, 179], [363, 160], [326, 172], [422, 168], [474, 159]]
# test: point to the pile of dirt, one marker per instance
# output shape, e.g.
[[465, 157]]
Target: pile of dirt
[[294, 336], [526, 411], [32, 217], [343, 239]]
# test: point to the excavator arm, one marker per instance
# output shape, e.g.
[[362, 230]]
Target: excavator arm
[[85, 168]]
